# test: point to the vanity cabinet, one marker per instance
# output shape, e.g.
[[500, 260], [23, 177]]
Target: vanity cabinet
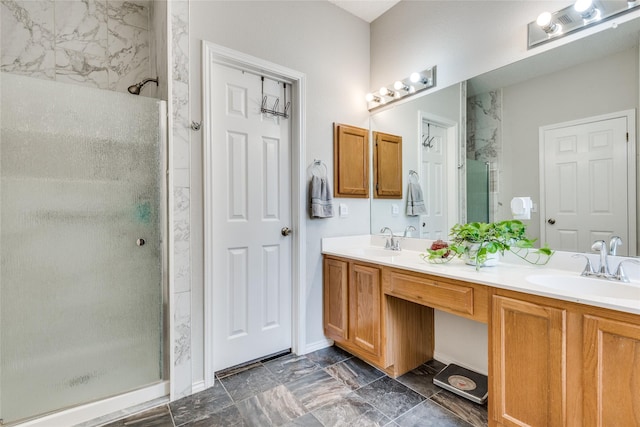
[[557, 363], [528, 342], [353, 315], [611, 370], [390, 333]]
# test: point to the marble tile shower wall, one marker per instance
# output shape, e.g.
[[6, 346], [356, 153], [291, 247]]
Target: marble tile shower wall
[[181, 377], [484, 138], [97, 43]]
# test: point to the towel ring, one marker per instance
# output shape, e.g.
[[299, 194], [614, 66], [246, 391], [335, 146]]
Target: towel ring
[[316, 166]]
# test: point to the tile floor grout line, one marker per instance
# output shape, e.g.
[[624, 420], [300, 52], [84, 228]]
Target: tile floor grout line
[[450, 411]]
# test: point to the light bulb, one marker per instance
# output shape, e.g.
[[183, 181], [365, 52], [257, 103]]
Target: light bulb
[[399, 85], [415, 77], [582, 5], [384, 91], [369, 97], [544, 19]]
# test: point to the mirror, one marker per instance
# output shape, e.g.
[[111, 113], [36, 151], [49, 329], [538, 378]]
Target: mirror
[[504, 112]]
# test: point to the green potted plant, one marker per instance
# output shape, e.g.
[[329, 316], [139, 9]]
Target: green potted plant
[[480, 243]]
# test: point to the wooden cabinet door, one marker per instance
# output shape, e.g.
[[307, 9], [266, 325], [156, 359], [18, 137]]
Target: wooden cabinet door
[[350, 161], [611, 372], [387, 166], [335, 299], [365, 295], [528, 367]]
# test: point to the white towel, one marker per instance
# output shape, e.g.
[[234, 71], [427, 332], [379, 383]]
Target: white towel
[[415, 201], [321, 197]]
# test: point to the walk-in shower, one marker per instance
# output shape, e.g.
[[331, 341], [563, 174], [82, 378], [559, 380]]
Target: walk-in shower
[[81, 300]]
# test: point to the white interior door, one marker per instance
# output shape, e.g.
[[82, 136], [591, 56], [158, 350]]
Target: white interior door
[[586, 184], [435, 185], [250, 198]]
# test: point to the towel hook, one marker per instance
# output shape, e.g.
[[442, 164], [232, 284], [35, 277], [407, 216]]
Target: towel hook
[[414, 173], [428, 141]]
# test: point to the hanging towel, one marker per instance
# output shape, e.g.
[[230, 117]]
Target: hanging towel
[[415, 201], [321, 198]]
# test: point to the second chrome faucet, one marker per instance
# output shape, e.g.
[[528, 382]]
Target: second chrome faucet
[[603, 270]]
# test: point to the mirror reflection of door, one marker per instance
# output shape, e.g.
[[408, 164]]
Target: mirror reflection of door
[[588, 185], [435, 185]]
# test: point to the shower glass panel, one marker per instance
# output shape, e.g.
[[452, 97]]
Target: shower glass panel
[[477, 191], [81, 297]]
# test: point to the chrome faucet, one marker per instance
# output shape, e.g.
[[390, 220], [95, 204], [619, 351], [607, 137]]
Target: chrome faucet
[[603, 268], [392, 243], [613, 245], [409, 228]]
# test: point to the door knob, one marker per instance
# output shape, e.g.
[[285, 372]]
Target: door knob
[[551, 221], [140, 242], [285, 231]]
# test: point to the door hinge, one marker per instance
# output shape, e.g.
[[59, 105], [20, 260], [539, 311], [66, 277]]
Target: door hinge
[[377, 186], [627, 136]]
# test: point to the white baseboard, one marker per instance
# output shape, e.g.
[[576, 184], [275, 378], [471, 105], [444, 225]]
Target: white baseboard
[[106, 409], [447, 360], [197, 387], [318, 345]]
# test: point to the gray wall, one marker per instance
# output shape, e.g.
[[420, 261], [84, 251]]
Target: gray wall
[[332, 48], [597, 87]]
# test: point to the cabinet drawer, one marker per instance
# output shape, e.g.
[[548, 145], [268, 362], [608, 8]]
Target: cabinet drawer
[[461, 298]]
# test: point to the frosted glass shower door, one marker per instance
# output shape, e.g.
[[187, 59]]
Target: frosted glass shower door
[[477, 191], [81, 296]]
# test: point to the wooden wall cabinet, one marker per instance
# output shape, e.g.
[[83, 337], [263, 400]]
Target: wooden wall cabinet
[[350, 161], [387, 166]]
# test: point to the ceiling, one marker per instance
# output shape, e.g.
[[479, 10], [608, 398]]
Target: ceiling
[[367, 10]]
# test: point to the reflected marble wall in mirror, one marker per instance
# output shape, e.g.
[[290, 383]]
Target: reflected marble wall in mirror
[[506, 110]]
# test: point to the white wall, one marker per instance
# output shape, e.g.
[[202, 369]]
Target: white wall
[[332, 48]]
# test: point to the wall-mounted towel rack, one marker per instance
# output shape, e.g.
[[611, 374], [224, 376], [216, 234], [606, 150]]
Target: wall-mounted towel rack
[[316, 165], [274, 110]]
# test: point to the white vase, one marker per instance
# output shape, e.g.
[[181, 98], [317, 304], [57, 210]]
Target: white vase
[[469, 256]]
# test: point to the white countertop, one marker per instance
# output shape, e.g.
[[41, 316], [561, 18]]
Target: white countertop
[[511, 273]]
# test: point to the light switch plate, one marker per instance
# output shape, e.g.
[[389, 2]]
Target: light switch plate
[[395, 210], [344, 210]]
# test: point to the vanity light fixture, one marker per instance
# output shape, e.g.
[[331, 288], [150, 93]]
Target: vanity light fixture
[[580, 15], [413, 84]]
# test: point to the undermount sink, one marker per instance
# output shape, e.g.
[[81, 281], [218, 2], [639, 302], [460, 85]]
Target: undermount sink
[[375, 252], [586, 286]]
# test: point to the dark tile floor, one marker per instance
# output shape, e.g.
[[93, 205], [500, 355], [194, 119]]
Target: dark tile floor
[[326, 388]]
